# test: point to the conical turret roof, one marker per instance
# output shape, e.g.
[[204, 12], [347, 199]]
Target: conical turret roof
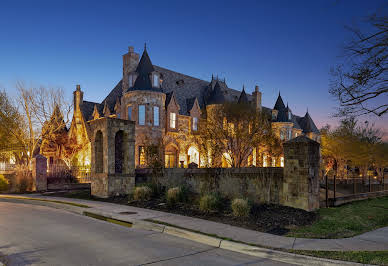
[[216, 96], [243, 99], [279, 105]]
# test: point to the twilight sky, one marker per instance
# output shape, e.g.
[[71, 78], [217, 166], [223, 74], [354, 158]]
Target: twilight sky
[[278, 45]]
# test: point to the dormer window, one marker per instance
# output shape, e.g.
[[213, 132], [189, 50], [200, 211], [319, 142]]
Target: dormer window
[[195, 123], [289, 115], [172, 120], [155, 80], [131, 80]]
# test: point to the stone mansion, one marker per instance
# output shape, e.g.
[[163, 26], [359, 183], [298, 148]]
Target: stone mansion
[[167, 105]]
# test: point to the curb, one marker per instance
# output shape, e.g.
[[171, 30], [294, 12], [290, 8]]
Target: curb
[[194, 236]]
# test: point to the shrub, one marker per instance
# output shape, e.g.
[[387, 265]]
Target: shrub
[[142, 193], [240, 208], [209, 202], [3, 183], [176, 194]]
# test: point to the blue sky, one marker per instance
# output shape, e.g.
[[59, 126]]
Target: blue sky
[[279, 45]]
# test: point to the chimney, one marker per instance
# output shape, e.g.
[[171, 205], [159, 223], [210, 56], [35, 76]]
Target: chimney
[[130, 61], [257, 98], [78, 97]]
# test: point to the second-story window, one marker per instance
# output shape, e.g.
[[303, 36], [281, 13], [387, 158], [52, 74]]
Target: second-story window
[[155, 80], [142, 115], [130, 113], [289, 134], [172, 120], [156, 116], [131, 80], [195, 123]]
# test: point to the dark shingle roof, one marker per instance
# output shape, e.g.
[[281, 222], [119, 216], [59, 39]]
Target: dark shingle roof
[[144, 69], [243, 97], [279, 105], [112, 97], [87, 109], [307, 124], [217, 95]]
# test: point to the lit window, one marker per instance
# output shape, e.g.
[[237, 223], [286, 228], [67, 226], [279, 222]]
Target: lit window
[[273, 162], [155, 80], [142, 157], [296, 134], [129, 112], [282, 161], [172, 120], [281, 135], [195, 123], [265, 161], [131, 80], [156, 116], [141, 115]]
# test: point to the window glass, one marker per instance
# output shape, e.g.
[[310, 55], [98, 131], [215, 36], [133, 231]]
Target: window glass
[[142, 157], [141, 115], [156, 80], [118, 115], [156, 116], [129, 112], [195, 123], [131, 80], [289, 134], [172, 120]]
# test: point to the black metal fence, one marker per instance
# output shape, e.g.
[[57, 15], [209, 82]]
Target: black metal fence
[[57, 174], [339, 188]]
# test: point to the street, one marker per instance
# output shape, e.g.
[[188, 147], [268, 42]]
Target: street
[[39, 235]]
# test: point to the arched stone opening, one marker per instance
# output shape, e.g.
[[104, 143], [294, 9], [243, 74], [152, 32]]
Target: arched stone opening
[[170, 156], [119, 153], [99, 152]]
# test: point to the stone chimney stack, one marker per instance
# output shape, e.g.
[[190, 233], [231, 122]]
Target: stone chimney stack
[[78, 97], [257, 98], [130, 61]]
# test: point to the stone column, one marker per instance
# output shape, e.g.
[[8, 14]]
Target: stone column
[[39, 173], [301, 174]]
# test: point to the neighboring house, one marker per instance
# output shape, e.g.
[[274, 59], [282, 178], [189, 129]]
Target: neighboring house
[[167, 106]]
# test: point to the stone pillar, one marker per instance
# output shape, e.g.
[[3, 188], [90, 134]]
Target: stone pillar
[[301, 174], [39, 173], [109, 183]]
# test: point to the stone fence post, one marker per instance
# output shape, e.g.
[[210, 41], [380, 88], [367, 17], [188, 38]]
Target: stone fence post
[[301, 173], [39, 173]]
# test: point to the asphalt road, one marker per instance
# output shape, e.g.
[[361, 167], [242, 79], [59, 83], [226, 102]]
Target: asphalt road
[[38, 235]]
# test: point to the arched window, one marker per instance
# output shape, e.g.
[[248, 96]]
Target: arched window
[[119, 156], [193, 155], [99, 152]]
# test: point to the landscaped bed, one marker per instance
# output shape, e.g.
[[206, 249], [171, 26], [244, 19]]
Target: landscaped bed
[[338, 222]]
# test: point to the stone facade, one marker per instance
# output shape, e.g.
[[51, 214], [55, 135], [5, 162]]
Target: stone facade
[[113, 157], [301, 173], [180, 97]]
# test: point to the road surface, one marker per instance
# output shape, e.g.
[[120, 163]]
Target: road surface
[[39, 235]]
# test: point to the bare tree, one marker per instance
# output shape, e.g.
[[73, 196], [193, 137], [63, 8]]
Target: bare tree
[[45, 113], [232, 131], [360, 84]]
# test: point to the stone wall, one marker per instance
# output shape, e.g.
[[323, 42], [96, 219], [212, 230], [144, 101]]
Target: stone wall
[[257, 184]]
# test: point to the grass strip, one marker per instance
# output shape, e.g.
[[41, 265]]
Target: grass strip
[[108, 219], [53, 201], [364, 257], [346, 220]]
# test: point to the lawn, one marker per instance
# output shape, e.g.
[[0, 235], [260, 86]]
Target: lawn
[[347, 220], [364, 257]]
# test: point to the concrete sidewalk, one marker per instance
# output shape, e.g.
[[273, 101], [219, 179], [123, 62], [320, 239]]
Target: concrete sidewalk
[[372, 241]]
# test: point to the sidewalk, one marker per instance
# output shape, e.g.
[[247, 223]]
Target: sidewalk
[[371, 241]]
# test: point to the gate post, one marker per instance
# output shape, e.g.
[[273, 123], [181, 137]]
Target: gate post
[[39, 173], [301, 173]]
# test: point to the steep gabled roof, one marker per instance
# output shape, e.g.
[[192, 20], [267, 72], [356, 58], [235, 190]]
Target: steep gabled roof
[[217, 95], [87, 109], [190, 103], [243, 99], [143, 70], [307, 124], [279, 105]]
